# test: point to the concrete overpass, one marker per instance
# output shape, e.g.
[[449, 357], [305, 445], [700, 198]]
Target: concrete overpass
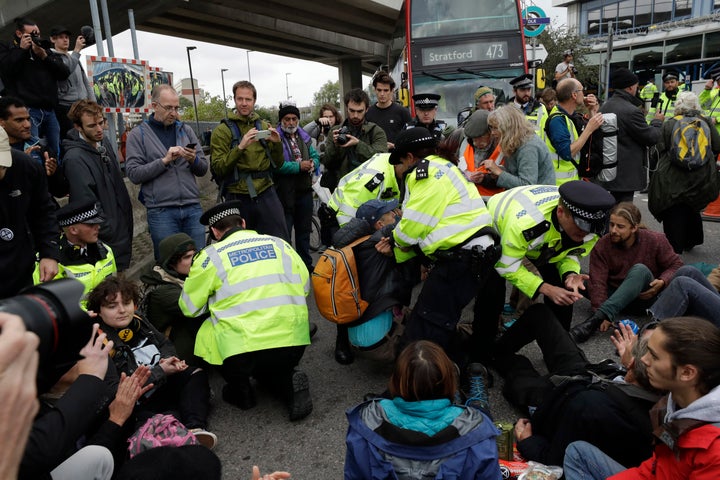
[[353, 35]]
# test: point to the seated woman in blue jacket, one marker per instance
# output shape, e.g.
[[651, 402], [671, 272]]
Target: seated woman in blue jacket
[[419, 433]]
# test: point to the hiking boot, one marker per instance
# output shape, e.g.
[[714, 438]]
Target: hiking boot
[[581, 333], [343, 352], [300, 403], [477, 394], [243, 398], [205, 438]]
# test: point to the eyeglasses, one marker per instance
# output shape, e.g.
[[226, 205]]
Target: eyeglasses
[[169, 108]]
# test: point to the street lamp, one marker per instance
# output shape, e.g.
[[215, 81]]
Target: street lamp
[[192, 85], [222, 75], [287, 89], [247, 55]]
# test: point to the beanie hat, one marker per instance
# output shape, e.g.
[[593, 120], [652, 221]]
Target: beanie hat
[[623, 78], [481, 92], [477, 124], [288, 108], [178, 243]]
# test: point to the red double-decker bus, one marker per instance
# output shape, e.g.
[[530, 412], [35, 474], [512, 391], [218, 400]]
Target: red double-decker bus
[[452, 47]]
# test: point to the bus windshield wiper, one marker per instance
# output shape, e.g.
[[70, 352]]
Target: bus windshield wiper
[[478, 74], [437, 77]]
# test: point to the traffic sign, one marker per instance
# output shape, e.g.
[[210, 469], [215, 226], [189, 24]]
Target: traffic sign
[[534, 20]]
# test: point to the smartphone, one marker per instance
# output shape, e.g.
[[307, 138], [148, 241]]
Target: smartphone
[[262, 134], [190, 145]]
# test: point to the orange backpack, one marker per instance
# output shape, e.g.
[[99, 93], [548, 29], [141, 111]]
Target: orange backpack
[[336, 286]]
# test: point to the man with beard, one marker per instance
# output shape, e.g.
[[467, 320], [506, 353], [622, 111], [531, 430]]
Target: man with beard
[[94, 176], [523, 98], [629, 267], [666, 102], [358, 141]]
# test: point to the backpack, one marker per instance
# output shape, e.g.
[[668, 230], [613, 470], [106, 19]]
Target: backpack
[[690, 147], [336, 286], [598, 157], [160, 431]]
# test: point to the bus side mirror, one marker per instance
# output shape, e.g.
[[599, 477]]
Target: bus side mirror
[[539, 78]]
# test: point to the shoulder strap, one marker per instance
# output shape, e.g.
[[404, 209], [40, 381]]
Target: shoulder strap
[[263, 142], [549, 119], [235, 130]]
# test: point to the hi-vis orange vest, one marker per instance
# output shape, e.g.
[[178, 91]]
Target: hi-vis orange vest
[[496, 155]]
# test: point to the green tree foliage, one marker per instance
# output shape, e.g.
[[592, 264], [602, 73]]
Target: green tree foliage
[[558, 41], [267, 113], [210, 109], [328, 93]]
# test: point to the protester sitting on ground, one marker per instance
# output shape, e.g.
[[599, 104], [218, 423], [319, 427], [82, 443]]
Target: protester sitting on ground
[[526, 157], [419, 433], [137, 342], [688, 294], [629, 267], [384, 284], [163, 287], [684, 358], [606, 403]]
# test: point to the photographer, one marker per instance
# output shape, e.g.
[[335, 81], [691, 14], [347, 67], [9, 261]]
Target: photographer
[[352, 143], [319, 129], [565, 69], [30, 71]]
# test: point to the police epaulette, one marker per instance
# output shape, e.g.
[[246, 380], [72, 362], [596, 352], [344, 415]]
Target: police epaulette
[[421, 171], [536, 230], [375, 181]]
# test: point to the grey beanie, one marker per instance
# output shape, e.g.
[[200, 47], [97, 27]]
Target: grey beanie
[[477, 124]]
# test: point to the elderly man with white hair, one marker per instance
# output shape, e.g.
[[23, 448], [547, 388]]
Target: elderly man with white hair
[[679, 190]]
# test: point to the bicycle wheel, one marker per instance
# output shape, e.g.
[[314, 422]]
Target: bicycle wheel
[[315, 241]]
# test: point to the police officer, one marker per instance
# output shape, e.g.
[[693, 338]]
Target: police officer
[[426, 105], [83, 256], [374, 179], [444, 219], [666, 102], [254, 287], [523, 98], [710, 98], [552, 227]]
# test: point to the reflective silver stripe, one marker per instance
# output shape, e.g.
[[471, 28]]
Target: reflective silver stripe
[[566, 174], [509, 268], [405, 239], [260, 304], [194, 310], [419, 217], [227, 291], [447, 231], [217, 263], [530, 208], [342, 218]]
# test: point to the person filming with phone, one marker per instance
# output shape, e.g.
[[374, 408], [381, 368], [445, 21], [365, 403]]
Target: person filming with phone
[[164, 156]]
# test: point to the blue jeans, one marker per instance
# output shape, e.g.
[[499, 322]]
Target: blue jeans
[[689, 293], [301, 220], [44, 123], [584, 462], [166, 221], [636, 281]]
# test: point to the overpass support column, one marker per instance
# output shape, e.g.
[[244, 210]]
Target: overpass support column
[[350, 75]]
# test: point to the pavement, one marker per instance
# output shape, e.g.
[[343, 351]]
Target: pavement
[[315, 446]]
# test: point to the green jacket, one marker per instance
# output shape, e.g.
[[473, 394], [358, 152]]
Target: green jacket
[[526, 220], [340, 161], [255, 288], [253, 163]]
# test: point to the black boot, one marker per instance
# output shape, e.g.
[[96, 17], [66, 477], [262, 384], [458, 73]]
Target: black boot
[[581, 333], [343, 353]]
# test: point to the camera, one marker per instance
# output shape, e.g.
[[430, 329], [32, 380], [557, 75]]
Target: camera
[[40, 42], [342, 136], [262, 134], [52, 311]]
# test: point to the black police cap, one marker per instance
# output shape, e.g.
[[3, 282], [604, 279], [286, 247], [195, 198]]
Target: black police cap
[[523, 81], [411, 140], [426, 101], [79, 212], [588, 202], [218, 212]]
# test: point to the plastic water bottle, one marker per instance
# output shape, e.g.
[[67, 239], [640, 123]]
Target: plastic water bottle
[[633, 326]]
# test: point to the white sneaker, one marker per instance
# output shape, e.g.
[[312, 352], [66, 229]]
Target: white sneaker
[[205, 438]]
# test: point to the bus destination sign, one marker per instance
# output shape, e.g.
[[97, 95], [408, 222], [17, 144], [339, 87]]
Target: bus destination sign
[[465, 52]]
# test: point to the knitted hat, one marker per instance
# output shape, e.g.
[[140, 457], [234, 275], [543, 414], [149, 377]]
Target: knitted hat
[[477, 124], [481, 92], [178, 243], [288, 108], [622, 78]]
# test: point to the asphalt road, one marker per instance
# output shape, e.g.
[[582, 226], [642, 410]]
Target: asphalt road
[[315, 447]]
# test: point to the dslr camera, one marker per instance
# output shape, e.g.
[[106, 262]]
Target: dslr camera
[[342, 138], [52, 311], [40, 42]]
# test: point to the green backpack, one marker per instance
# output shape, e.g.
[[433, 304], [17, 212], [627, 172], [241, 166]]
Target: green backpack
[[690, 147]]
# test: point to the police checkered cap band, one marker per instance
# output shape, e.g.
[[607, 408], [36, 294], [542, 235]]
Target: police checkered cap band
[[418, 140], [222, 214], [426, 101], [81, 217], [599, 215]]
